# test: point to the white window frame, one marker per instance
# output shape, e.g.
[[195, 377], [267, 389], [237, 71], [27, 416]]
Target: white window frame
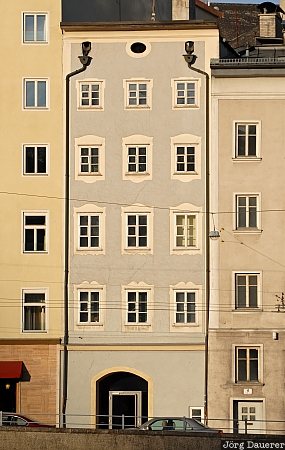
[[101, 89], [35, 106], [89, 292], [247, 274], [89, 287], [246, 347], [246, 157], [185, 140], [175, 93], [185, 304], [90, 141], [247, 228], [35, 41], [137, 211], [36, 173], [202, 414], [137, 141], [137, 312], [35, 228], [138, 82], [185, 209], [89, 226], [89, 210], [35, 304], [137, 288]]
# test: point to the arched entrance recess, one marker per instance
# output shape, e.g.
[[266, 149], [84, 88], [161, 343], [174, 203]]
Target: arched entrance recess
[[121, 400]]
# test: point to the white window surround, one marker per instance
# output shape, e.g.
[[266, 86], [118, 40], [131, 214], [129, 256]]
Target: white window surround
[[186, 140], [247, 229], [36, 304], [40, 104], [260, 349], [90, 209], [35, 41], [193, 413], [247, 309], [247, 158], [137, 93], [36, 229], [136, 326], [89, 287], [138, 55], [137, 140], [137, 210], [90, 141], [24, 159], [100, 96], [183, 80], [185, 209], [186, 327]]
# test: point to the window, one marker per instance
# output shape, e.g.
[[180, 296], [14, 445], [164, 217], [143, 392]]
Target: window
[[35, 93], [89, 306], [246, 211], [89, 231], [247, 364], [246, 290], [185, 158], [185, 230], [137, 159], [197, 412], [35, 159], [185, 307], [185, 93], [35, 28], [91, 94], [35, 230], [89, 160], [34, 311], [138, 93], [137, 230], [246, 140], [137, 305]]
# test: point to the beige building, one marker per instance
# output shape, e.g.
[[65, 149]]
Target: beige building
[[246, 371], [31, 180]]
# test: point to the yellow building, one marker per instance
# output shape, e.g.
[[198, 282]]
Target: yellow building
[[31, 192]]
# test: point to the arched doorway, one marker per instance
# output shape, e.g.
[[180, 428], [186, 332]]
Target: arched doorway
[[122, 400]]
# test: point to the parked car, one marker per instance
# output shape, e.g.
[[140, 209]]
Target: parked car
[[13, 419], [177, 424]]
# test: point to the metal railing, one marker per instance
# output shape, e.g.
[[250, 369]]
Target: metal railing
[[247, 60], [126, 422]]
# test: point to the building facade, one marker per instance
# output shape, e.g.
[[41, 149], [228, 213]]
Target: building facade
[[32, 216], [247, 297], [137, 320]]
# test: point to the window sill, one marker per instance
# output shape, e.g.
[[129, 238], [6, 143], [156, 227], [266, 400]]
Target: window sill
[[34, 331], [247, 231], [247, 310], [89, 324], [137, 327], [185, 173], [137, 250], [137, 108], [177, 107], [90, 108], [248, 383], [35, 252], [247, 159], [35, 174]]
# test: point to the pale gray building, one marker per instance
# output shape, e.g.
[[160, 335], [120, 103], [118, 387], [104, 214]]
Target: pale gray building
[[137, 314]]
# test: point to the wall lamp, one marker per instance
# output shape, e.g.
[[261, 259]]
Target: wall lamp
[[190, 57]]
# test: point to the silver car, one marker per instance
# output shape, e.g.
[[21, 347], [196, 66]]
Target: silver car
[[177, 424]]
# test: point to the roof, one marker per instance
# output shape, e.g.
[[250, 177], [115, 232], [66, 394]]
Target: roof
[[239, 24]]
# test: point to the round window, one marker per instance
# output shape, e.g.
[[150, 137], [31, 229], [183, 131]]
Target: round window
[[138, 47]]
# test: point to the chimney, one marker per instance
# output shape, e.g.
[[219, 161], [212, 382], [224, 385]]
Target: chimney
[[180, 9], [270, 21]]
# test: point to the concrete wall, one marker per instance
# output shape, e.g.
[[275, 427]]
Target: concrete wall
[[98, 440]]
